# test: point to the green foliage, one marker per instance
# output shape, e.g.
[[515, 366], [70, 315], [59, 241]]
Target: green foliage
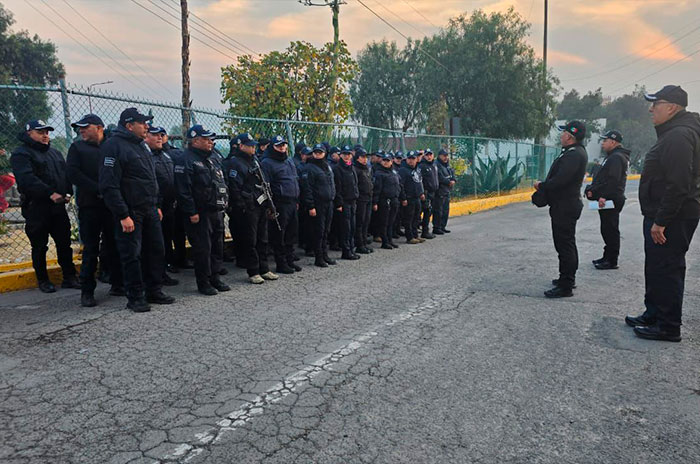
[[292, 84], [494, 175], [30, 61]]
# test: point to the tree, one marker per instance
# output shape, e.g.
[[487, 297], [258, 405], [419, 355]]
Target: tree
[[630, 115], [493, 80], [291, 84], [587, 108], [29, 61]]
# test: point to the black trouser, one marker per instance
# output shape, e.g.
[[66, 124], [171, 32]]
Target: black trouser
[[410, 215], [179, 236], [142, 253], [564, 218], [283, 241], [364, 212], [374, 224], [438, 210], [664, 272], [396, 222], [347, 227], [320, 227], [168, 226], [207, 240], [445, 212], [304, 235], [386, 215], [44, 220], [610, 230], [427, 210], [95, 223], [251, 236], [334, 234]]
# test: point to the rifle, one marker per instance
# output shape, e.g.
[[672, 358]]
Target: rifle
[[267, 193]]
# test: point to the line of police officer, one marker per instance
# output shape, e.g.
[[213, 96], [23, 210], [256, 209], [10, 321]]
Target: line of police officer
[[139, 197]]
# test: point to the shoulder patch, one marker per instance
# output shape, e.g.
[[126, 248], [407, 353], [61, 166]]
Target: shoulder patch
[[233, 173], [198, 163], [179, 169], [109, 161]]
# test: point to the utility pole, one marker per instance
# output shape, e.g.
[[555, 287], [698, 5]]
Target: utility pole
[[542, 156], [335, 8], [186, 101]]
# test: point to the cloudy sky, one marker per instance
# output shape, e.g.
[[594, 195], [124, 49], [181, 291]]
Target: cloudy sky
[[610, 44]]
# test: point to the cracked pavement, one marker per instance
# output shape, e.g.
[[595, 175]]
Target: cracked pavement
[[445, 352]]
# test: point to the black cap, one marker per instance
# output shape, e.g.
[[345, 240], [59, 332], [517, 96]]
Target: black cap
[[575, 128], [346, 149], [133, 115], [386, 156], [332, 150], [442, 152], [199, 131], [306, 151], [358, 146], [429, 151], [278, 140], [411, 154], [156, 130], [612, 135], [671, 94], [379, 153], [319, 147], [263, 141], [245, 139], [359, 151], [398, 154], [87, 120], [37, 124]]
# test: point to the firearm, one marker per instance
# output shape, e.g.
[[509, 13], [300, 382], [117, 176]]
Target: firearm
[[266, 195]]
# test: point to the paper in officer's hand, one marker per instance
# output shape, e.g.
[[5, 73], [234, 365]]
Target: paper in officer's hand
[[593, 205]]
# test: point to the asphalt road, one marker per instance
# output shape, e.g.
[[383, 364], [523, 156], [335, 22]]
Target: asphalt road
[[445, 352]]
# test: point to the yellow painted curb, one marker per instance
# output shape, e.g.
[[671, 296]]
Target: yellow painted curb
[[24, 279], [630, 177], [461, 208]]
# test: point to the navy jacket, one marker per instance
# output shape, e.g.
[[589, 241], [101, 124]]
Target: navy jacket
[[611, 179], [200, 183], [127, 178], [39, 170], [242, 180], [429, 171], [445, 175], [364, 182], [565, 177], [282, 175], [318, 184], [166, 180], [412, 181], [84, 161], [346, 182], [387, 185]]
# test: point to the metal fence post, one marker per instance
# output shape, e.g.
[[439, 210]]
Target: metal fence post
[[66, 109], [290, 139], [476, 194], [498, 171]]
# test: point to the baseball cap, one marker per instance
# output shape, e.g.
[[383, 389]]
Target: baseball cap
[[412, 154], [318, 147], [87, 120], [359, 151], [156, 130], [263, 141], [37, 124], [306, 151], [575, 128], [442, 152], [429, 151], [199, 131], [278, 140], [346, 149], [133, 115], [386, 156], [398, 154], [612, 135], [245, 139], [332, 150], [670, 93]]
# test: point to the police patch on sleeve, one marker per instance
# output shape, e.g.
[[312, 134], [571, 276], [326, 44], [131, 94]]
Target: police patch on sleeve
[[109, 161], [179, 169], [233, 173]]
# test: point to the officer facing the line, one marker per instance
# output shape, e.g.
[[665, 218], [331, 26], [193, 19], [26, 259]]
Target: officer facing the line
[[130, 189], [347, 191], [562, 188], [609, 184], [447, 181], [202, 192]]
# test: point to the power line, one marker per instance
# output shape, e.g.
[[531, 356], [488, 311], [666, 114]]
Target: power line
[[421, 14], [402, 35], [225, 35], [115, 46], [400, 18], [106, 63], [237, 50], [178, 28]]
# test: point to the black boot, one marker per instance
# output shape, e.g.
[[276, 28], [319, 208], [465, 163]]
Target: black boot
[[70, 282], [159, 298], [219, 285], [329, 260], [138, 305], [87, 300], [283, 268], [46, 286], [320, 262]]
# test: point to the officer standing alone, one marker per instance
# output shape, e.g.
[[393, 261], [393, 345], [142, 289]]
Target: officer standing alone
[[562, 188], [446, 181]]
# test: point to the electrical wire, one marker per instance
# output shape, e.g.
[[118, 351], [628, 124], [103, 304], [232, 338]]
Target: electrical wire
[[422, 15]]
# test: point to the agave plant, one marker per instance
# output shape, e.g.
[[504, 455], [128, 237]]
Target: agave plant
[[492, 175]]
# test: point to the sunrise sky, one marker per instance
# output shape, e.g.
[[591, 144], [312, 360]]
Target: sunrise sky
[[610, 44]]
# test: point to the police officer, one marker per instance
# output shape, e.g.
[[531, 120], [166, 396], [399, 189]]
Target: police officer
[[412, 182], [282, 175], [562, 188], [446, 181], [669, 195], [167, 195], [398, 160], [179, 235], [129, 187], [364, 201], [428, 169], [346, 185], [263, 143], [385, 199], [304, 235], [94, 219], [40, 172], [320, 199], [609, 184], [249, 208], [202, 192]]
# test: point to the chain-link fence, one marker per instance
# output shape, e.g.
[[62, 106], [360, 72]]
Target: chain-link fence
[[485, 167]]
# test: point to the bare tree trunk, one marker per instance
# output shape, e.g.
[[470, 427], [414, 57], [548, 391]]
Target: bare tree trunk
[[186, 101]]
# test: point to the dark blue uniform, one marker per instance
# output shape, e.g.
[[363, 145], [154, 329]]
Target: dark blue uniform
[[441, 211], [201, 190], [346, 184], [429, 171], [386, 193], [320, 194], [129, 187], [167, 199], [364, 206], [412, 182]]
